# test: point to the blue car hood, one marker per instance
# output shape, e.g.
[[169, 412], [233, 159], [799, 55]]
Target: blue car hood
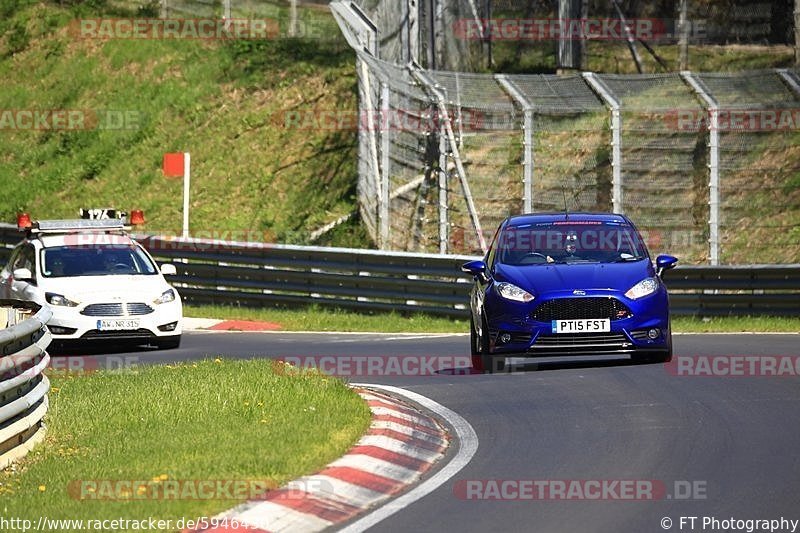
[[539, 279]]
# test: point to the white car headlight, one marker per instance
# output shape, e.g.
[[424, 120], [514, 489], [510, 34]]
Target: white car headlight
[[59, 299], [644, 288], [166, 296], [512, 292]]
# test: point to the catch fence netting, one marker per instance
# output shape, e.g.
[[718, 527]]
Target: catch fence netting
[[637, 144]]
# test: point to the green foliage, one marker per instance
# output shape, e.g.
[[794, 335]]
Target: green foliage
[[222, 101], [17, 38]]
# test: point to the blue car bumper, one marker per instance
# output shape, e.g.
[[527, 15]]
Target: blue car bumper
[[527, 329]]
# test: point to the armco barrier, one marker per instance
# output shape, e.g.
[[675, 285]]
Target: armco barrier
[[255, 274], [23, 385]]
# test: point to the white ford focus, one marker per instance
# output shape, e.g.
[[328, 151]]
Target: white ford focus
[[100, 283]]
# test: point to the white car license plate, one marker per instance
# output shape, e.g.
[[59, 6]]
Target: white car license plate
[[586, 325], [117, 324]]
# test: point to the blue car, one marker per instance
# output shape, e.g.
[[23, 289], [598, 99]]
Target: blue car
[[568, 284]]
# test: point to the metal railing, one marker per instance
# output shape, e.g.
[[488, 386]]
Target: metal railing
[[258, 274], [23, 386]]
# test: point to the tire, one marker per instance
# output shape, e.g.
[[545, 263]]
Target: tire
[[475, 347], [653, 357], [168, 343], [489, 363]]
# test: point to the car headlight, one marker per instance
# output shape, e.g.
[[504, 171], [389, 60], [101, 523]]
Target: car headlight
[[166, 296], [59, 299], [644, 288], [512, 292]]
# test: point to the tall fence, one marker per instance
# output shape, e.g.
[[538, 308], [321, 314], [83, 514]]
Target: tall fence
[[23, 385], [706, 164]]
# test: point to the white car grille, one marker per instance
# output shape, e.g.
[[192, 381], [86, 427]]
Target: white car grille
[[117, 309]]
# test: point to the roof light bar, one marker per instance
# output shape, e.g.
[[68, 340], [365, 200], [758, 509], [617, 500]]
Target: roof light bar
[[65, 226]]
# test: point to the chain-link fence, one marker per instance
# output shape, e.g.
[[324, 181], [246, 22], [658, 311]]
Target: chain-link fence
[[707, 165], [591, 35]]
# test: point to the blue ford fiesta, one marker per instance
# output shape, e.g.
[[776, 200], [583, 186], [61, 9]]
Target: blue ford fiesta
[[568, 284]]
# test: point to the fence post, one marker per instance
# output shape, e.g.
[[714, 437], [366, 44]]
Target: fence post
[[790, 79], [613, 103], [383, 210], [292, 18], [527, 161], [713, 165], [448, 129], [371, 140], [164, 9], [226, 9], [412, 25], [444, 215]]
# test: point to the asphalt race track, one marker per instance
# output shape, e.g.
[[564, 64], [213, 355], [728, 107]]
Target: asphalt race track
[[719, 446]]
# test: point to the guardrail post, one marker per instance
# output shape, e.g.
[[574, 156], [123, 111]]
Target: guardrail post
[[527, 162], [713, 165], [613, 103]]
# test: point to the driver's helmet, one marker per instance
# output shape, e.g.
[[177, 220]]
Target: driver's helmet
[[572, 242]]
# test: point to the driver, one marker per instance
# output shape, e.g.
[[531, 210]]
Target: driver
[[572, 243]]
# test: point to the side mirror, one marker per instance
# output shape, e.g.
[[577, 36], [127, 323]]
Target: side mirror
[[169, 270], [476, 268], [23, 274], [665, 262]]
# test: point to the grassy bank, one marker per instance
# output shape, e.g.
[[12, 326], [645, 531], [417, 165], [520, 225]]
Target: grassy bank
[[225, 102], [247, 421]]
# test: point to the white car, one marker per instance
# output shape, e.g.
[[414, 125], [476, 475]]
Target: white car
[[100, 283]]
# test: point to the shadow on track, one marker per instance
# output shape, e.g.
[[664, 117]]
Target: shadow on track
[[549, 365]]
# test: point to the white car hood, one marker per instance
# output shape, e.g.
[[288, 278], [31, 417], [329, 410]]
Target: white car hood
[[112, 288]]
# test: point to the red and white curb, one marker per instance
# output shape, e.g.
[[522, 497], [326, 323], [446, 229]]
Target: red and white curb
[[401, 444], [214, 324]]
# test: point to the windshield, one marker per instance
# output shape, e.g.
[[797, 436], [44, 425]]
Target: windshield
[[95, 260], [570, 242]]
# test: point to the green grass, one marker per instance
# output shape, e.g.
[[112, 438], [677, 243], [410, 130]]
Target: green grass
[[212, 420], [329, 319], [225, 102], [325, 319], [733, 324]]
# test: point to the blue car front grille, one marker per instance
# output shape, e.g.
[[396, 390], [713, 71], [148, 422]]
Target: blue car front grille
[[575, 308]]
